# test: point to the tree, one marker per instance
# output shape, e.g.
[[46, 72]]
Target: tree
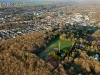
[[63, 37]]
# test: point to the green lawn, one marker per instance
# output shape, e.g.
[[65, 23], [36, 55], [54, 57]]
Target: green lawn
[[53, 46]]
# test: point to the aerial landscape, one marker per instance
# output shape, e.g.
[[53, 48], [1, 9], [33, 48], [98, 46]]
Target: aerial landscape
[[49, 37]]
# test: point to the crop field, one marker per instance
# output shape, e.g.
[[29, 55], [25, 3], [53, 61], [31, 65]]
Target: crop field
[[36, 3]]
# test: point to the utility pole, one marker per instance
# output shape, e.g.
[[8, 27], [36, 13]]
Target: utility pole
[[59, 46]]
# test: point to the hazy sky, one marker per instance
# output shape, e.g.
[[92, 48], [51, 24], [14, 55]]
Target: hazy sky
[[42, 0]]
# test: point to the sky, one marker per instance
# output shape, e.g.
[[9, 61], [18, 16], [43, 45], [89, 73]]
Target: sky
[[41, 0]]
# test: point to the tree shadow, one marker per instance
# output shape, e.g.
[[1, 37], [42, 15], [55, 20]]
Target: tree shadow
[[66, 48]]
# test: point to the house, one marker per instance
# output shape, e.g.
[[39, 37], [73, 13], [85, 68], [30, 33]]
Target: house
[[86, 17], [96, 56], [82, 45]]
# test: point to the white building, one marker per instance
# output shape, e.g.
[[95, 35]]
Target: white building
[[86, 18], [96, 56]]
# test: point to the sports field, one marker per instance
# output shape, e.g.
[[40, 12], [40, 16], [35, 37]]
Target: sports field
[[54, 46]]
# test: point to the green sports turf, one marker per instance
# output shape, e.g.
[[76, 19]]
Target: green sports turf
[[55, 44]]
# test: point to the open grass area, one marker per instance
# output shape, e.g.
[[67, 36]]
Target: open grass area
[[54, 46], [37, 3], [31, 4]]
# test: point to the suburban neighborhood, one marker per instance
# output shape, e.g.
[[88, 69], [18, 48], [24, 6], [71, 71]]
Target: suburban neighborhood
[[46, 20]]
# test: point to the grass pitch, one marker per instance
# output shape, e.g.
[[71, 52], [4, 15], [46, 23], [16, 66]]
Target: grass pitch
[[54, 46]]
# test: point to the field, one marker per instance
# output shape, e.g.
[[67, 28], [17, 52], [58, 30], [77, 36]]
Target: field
[[37, 3], [54, 45], [22, 4]]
